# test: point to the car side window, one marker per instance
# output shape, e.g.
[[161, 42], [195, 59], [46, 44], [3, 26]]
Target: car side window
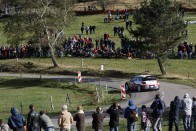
[[134, 79], [139, 79]]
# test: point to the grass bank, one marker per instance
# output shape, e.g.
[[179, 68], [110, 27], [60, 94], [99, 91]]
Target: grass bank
[[180, 71], [13, 91]]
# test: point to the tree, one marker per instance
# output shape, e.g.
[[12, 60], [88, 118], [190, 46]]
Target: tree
[[158, 28], [42, 20], [103, 3]]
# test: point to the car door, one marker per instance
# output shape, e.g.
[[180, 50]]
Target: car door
[[133, 83]]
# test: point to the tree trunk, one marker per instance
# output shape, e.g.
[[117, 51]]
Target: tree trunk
[[53, 56], [161, 66]]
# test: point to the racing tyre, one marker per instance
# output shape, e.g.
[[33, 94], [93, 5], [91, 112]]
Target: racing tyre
[[139, 88], [126, 87]]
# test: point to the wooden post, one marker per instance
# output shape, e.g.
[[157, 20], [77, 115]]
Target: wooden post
[[97, 96], [21, 107], [51, 104], [68, 100], [75, 79], [99, 82], [106, 88]]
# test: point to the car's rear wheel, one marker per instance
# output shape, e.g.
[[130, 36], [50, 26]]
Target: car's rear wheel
[[139, 88], [126, 87]]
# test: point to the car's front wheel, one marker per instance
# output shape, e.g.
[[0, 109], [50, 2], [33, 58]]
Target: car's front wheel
[[139, 88], [126, 87]]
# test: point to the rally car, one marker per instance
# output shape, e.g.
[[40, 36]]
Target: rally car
[[142, 83]]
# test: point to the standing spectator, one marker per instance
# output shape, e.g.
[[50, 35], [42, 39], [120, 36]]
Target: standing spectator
[[65, 119], [127, 24], [16, 121], [115, 30], [32, 119], [82, 29], [98, 116], [114, 111], [145, 121], [131, 114], [174, 113], [187, 110], [3, 126], [87, 28], [194, 113], [45, 122], [80, 119], [130, 24], [122, 30], [97, 43], [158, 109], [93, 28]]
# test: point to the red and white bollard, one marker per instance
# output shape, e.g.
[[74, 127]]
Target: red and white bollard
[[123, 92], [79, 77]]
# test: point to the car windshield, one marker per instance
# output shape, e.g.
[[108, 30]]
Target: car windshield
[[149, 78]]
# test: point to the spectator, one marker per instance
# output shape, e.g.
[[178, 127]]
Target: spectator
[[127, 24], [174, 113], [114, 111], [16, 121], [158, 109], [115, 30], [65, 119], [87, 28], [194, 114], [93, 28], [145, 121], [3, 126], [80, 119], [131, 114], [32, 119], [82, 29], [187, 110], [45, 122], [98, 116]]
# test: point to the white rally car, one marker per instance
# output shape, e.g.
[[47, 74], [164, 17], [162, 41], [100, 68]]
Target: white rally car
[[142, 83]]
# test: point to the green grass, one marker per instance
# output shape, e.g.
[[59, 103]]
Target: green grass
[[174, 67], [13, 91]]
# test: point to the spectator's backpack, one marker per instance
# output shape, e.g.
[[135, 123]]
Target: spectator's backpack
[[158, 108], [133, 115]]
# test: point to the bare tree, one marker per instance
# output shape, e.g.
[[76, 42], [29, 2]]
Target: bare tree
[[103, 3], [44, 20]]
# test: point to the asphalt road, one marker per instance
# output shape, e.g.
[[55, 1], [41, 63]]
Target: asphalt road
[[167, 90]]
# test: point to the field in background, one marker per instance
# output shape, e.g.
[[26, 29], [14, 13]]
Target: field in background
[[129, 4]]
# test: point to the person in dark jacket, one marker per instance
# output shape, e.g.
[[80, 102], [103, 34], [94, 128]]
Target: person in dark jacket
[[98, 116], [32, 119], [45, 122], [80, 119], [131, 124], [114, 111], [194, 114], [174, 113], [158, 109], [16, 121]]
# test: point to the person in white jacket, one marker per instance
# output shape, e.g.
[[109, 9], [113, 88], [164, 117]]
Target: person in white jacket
[[187, 111]]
